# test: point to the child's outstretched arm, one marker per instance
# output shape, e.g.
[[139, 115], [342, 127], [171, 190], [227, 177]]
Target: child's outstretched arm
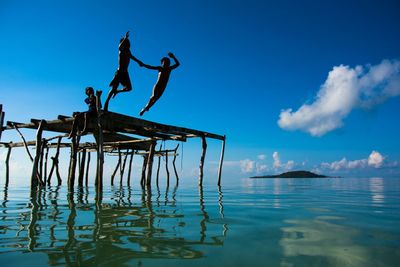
[[136, 60], [177, 64], [151, 67]]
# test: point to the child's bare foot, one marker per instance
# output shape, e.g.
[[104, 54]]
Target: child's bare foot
[[142, 111]]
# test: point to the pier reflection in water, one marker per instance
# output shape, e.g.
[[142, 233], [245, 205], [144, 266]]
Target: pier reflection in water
[[123, 227]]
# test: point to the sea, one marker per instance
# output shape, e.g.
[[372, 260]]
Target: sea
[[254, 222]]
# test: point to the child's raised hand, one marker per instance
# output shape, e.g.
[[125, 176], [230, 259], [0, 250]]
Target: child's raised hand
[[170, 54], [127, 34]]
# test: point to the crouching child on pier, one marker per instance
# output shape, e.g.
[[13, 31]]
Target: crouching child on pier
[[79, 116]]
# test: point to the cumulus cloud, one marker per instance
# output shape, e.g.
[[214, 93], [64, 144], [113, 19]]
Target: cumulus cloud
[[277, 161], [260, 168], [277, 164], [375, 160], [247, 165], [289, 165], [345, 89], [262, 157]]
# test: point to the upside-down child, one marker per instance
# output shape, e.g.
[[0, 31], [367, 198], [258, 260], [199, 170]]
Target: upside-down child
[[121, 75], [164, 72]]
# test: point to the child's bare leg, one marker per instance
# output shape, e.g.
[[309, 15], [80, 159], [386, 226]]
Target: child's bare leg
[[74, 128], [84, 131], [124, 89], [149, 105], [111, 93]]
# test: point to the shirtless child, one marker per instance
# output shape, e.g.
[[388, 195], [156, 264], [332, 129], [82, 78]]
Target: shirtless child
[[121, 75], [79, 116], [164, 72]]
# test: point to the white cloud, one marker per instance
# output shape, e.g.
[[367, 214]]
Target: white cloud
[[277, 161], [262, 157], [375, 159], [247, 165], [260, 168], [289, 165], [345, 89]]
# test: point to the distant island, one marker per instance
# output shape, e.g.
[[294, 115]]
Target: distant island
[[294, 174]]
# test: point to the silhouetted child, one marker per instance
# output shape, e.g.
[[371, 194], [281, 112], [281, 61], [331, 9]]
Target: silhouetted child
[[164, 72], [78, 116], [121, 75]]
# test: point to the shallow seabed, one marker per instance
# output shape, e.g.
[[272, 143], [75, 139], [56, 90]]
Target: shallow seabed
[[263, 222]]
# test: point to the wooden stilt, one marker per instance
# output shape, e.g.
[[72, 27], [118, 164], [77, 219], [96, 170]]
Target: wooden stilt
[[8, 165], [115, 172], [123, 168], [35, 178], [100, 140], [72, 166], [166, 167], [221, 161], [150, 163], [55, 164], [158, 166], [45, 164], [143, 179], [41, 159], [87, 170], [82, 168], [203, 155], [2, 115], [173, 164], [24, 141], [130, 168], [120, 162]]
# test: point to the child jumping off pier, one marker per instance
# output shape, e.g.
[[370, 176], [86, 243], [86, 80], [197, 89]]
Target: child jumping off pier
[[164, 72], [121, 75]]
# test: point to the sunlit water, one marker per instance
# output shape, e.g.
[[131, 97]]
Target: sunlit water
[[263, 222]]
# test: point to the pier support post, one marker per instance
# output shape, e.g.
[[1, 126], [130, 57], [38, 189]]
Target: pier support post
[[150, 163], [55, 164], [130, 168], [100, 140], [35, 178], [115, 172], [87, 169], [203, 155], [82, 168], [166, 166], [123, 168], [143, 179], [158, 166], [2, 115], [173, 164], [8, 164], [46, 157], [221, 161], [72, 164]]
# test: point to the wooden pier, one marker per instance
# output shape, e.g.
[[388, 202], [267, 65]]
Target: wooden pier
[[114, 133]]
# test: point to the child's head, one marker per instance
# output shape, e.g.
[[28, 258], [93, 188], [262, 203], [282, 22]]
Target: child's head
[[89, 91], [165, 62]]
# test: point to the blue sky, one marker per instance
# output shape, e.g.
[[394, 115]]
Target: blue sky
[[243, 63]]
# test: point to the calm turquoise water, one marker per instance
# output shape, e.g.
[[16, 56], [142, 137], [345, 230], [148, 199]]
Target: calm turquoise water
[[266, 222]]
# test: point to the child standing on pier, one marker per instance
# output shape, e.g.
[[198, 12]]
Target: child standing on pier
[[121, 75], [164, 72]]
